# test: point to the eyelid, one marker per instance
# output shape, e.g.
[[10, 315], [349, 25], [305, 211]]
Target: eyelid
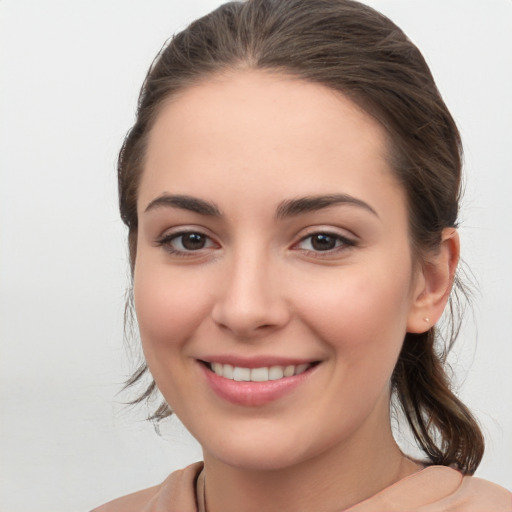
[[165, 239], [347, 241], [184, 228], [322, 229]]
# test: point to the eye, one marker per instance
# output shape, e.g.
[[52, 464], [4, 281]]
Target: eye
[[324, 242], [184, 243]]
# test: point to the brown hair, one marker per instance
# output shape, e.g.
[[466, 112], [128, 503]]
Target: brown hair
[[350, 48]]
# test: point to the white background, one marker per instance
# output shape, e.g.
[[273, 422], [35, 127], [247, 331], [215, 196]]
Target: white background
[[70, 75]]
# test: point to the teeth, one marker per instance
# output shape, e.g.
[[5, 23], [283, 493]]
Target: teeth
[[263, 374], [227, 371], [217, 368], [259, 374], [275, 372], [301, 368], [289, 371], [241, 374]]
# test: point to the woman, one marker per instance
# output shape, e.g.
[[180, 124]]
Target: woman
[[291, 190]]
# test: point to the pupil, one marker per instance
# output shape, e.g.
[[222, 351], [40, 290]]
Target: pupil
[[193, 241], [323, 242]]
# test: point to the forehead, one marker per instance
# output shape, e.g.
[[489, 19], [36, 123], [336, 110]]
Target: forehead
[[243, 130]]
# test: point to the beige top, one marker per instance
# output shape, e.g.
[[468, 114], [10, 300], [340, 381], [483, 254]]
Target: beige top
[[434, 489]]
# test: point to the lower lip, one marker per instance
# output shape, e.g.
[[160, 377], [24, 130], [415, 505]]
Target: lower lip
[[253, 394]]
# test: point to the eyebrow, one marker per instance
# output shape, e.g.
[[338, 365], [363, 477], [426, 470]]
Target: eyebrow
[[190, 203], [288, 208], [301, 205]]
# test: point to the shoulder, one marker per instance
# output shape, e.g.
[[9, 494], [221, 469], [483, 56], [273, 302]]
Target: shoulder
[[479, 494], [177, 492], [135, 502], [465, 493], [439, 488]]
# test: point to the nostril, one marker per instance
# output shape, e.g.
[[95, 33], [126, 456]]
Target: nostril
[[247, 311]]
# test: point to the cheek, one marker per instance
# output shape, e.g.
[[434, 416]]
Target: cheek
[[363, 314], [168, 307]]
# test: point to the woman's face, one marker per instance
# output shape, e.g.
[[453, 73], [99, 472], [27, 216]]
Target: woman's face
[[272, 246]]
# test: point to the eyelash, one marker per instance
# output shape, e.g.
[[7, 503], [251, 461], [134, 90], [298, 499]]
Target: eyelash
[[341, 243], [166, 243]]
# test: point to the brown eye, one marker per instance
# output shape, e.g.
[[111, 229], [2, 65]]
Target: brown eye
[[322, 242], [186, 242], [192, 241], [325, 242]]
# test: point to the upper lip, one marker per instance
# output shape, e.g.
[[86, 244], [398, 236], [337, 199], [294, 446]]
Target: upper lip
[[256, 361]]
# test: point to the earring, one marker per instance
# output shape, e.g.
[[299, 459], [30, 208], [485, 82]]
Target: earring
[[426, 319]]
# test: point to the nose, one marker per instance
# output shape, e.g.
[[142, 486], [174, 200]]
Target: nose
[[251, 302]]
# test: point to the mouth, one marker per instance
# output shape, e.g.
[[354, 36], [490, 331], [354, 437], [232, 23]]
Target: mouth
[[257, 381], [261, 374], [257, 385]]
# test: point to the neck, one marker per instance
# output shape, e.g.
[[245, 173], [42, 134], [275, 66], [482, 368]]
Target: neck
[[335, 480]]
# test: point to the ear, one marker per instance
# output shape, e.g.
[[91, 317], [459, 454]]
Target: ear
[[434, 283]]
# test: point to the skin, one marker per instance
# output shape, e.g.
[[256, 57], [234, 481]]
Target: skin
[[248, 141]]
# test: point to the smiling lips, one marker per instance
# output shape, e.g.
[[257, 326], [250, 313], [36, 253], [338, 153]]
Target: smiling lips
[[262, 374], [255, 386]]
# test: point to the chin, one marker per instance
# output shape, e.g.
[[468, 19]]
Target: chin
[[271, 452], [259, 459]]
